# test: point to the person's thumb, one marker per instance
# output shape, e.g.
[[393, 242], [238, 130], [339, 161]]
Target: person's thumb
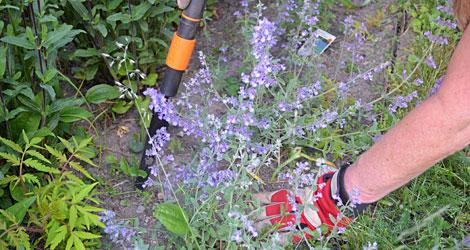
[[182, 4]]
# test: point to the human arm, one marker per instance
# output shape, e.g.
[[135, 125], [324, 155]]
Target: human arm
[[437, 128]]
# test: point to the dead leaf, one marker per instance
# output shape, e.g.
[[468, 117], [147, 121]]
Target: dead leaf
[[122, 130]]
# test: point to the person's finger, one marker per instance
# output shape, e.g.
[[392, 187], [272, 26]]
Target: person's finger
[[278, 208], [282, 222], [282, 238], [183, 4], [270, 211], [263, 198], [270, 197], [279, 237], [263, 224]]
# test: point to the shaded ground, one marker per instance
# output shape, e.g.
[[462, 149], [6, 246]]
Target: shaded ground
[[120, 194]]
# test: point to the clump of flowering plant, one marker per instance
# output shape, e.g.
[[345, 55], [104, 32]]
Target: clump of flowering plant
[[250, 141]]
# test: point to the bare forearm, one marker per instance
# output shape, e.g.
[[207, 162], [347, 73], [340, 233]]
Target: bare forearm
[[432, 131], [427, 135]]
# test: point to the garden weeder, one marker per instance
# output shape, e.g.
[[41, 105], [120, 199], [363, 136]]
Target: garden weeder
[[177, 62]]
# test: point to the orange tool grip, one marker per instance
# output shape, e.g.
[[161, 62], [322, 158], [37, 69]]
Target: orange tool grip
[[180, 53]]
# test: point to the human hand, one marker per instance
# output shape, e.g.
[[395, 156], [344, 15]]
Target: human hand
[[183, 4], [305, 210]]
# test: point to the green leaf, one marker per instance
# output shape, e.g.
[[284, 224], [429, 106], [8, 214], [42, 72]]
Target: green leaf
[[25, 138], [15, 161], [41, 133], [86, 235], [20, 208], [31, 179], [162, 9], [121, 107], [8, 215], [84, 53], [113, 4], [60, 104], [72, 217], [7, 179], [17, 192], [40, 167], [151, 79], [9, 7], [60, 234], [38, 155], [101, 93], [102, 29], [140, 10], [50, 74], [69, 243], [173, 218], [80, 9], [65, 40], [124, 18], [49, 90], [73, 114], [85, 159], [78, 243], [11, 144], [85, 142], [57, 154], [83, 193], [3, 60], [27, 121], [124, 166], [13, 113], [79, 168], [67, 145], [57, 35], [19, 41], [31, 104]]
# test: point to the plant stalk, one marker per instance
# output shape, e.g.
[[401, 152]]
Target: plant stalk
[[40, 58]]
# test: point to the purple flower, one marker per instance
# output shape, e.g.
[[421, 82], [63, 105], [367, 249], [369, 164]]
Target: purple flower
[[436, 86], [436, 39], [446, 23], [341, 230], [371, 246], [326, 118], [247, 224], [286, 10], [265, 68], [308, 92], [117, 230], [445, 9], [311, 11], [358, 35], [223, 176], [158, 142], [430, 62], [355, 198], [291, 200], [418, 82], [402, 101], [237, 236]]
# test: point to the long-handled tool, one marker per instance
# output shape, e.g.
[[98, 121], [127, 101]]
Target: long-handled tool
[[177, 62]]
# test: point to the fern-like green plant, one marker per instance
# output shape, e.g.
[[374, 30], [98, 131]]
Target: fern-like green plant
[[61, 207]]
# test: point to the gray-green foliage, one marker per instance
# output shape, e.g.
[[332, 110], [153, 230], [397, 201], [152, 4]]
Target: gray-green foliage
[[430, 212]]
